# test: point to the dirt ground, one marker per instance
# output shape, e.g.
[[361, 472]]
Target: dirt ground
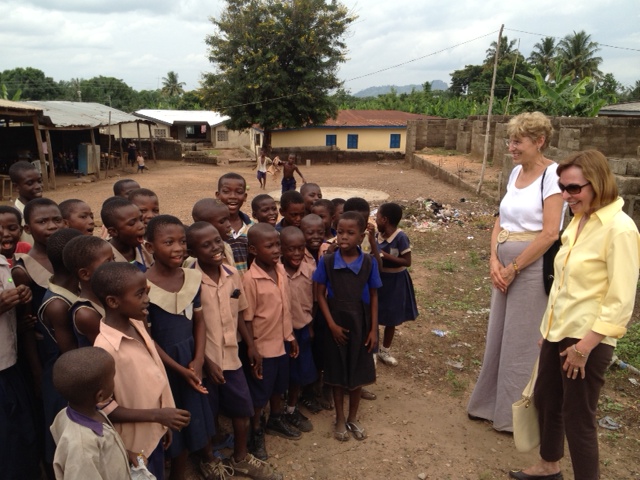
[[417, 427]]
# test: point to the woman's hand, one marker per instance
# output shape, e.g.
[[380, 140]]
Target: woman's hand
[[508, 274], [574, 363], [495, 271]]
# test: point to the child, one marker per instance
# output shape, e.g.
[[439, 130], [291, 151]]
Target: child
[[87, 444], [142, 409], [232, 191], [291, 209], [262, 163], [82, 256], [268, 319], [289, 168], [310, 193], [350, 280], [396, 297], [19, 451], [26, 178], [177, 325], [216, 213], [312, 228], [147, 202], [338, 203], [77, 214], [264, 209], [11, 231], [302, 370], [124, 225], [54, 327], [122, 187], [223, 300], [326, 210], [141, 165]]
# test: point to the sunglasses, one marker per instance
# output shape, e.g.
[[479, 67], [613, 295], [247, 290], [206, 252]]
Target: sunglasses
[[572, 188]]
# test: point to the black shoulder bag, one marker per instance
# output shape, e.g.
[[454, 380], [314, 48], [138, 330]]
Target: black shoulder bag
[[550, 255]]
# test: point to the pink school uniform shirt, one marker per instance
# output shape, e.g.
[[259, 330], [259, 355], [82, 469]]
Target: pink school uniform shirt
[[301, 295]]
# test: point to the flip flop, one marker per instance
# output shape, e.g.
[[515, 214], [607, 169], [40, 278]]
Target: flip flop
[[356, 430], [341, 435]]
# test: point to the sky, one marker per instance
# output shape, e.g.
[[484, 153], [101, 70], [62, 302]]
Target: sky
[[139, 41]]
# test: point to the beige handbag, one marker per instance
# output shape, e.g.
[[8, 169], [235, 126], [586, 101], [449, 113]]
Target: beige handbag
[[526, 429]]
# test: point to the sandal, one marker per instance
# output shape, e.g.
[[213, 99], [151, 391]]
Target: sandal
[[311, 404], [356, 430], [227, 442], [341, 435], [367, 394]]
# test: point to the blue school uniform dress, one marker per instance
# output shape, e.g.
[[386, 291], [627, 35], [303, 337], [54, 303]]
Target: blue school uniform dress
[[348, 284], [396, 297], [81, 303], [171, 323], [18, 438], [49, 352]]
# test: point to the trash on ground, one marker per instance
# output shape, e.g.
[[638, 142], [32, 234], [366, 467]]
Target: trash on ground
[[635, 382], [456, 365], [440, 333], [609, 423], [461, 344]]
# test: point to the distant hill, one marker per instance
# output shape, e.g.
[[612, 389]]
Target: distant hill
[[381, 90]]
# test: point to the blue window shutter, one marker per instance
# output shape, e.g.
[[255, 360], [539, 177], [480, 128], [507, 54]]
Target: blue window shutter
[[394, 141]]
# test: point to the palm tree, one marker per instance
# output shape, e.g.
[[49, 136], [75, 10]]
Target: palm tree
[[507, 50], [543, 56], [577, 52], [171, 86]]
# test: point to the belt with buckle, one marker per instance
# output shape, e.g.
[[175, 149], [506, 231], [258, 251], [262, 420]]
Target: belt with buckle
[[505, 235]]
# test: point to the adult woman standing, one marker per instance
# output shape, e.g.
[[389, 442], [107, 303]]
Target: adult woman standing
[[589, 307], [529, 222]]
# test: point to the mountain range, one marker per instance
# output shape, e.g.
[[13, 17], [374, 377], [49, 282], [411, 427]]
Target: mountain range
[[381, 90]]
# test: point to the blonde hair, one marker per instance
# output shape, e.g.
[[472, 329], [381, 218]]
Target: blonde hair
[[595, 169], [533, 125]]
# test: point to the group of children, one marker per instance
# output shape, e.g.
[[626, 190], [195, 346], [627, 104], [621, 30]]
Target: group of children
[[224, 316]]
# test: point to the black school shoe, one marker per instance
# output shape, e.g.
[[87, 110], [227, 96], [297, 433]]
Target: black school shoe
[[520, 475], [256, 445], [298, 420], [277, 425]]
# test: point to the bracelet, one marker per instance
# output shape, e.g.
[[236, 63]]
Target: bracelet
[[578, 352], [515, 267]]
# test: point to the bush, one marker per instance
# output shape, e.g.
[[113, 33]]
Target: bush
[[628, 349]]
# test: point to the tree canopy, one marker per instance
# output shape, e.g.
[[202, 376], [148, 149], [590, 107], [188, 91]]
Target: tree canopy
[[171, 86], [276, 62]]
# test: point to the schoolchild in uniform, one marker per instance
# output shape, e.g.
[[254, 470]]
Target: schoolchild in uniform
[[291, 209], [147, 201], [82, 256], [10, 233], [302, 370], [396, 297], [268, 319], [313, 230], [27, 180], [126, 229], [142, 410], [216, 213], [232, 191], [177, 325], [264, 209], [326, 210], [77, 214], [223, 302], [310, 193], [87, 444], [350, 280]]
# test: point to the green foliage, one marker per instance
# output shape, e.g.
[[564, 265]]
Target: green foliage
[[577, 53], [628, 348], [276, 62], [31, 82], [558, 97], [4, 94], [171, 86]]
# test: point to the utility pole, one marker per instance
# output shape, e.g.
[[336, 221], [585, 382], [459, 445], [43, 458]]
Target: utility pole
[[486, 134]]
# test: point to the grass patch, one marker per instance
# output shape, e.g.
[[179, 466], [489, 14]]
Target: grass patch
[[628, 349]]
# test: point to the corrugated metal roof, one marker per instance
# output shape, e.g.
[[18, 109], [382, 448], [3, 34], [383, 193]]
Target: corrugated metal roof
[[631, 108], [81, 114], [172, 117], [373, 118], [18, 106]]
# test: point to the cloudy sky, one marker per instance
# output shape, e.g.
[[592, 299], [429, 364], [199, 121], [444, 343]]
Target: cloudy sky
[[139, 41]]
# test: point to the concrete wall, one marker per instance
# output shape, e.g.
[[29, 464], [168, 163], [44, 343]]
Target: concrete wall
[[130, 130], [333, 155], [234, 138]]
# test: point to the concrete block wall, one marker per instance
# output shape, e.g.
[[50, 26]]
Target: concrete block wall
[[451, 134], [435, 133]]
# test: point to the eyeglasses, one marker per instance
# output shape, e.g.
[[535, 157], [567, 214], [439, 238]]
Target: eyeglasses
[[572, 188], [515, 143]]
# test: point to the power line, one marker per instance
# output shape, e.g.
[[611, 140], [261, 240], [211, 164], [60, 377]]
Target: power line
[[553, 36]]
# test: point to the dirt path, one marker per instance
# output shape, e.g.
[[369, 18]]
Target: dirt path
[[418, 424]]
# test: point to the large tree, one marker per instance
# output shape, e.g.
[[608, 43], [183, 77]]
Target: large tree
[[543, 56], [276, 62], [31, 82], [578, 55]]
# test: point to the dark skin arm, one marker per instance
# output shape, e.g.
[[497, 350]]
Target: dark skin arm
[[189, 375], [372, 338], [56, 315], [173, 418], [340, 335], [88, 322], [371, 235], [199, 337], [403, 260], [252, 353], [256, 365]]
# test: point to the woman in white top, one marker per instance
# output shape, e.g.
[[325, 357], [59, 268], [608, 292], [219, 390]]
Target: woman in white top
[[529, 223]]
